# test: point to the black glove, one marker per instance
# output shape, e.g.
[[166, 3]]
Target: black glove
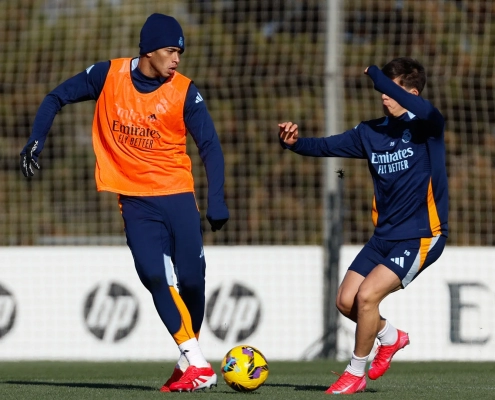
[[216, 224], [28, 161]]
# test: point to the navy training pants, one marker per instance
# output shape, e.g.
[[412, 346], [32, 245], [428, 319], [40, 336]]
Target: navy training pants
[[164, 236]]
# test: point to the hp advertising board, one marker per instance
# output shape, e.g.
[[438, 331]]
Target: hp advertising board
[[270, 297], [97, 309], [111, 311], [233, 312], [7, 311]]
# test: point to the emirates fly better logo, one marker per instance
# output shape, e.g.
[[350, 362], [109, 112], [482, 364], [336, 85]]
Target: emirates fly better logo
[[111, 312], [233, 312]]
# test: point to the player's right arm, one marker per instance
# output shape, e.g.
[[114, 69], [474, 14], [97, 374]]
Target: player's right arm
[[419, 106], [288, 133], [86, 85], [347, 144]]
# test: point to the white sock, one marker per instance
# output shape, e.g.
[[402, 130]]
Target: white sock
[[388, 335], [192, 352], [357, 366], [182, 364]]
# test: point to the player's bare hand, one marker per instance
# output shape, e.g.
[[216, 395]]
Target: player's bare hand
[[288, 132], [366, 71]]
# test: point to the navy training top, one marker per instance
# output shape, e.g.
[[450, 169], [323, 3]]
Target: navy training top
[[88, 84], [406, 159]]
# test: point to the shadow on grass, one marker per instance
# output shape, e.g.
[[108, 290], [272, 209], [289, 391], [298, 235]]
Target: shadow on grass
[[309, 388], [85, 385]]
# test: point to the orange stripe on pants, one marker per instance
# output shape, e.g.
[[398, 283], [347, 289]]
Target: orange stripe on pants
[[185, 331]]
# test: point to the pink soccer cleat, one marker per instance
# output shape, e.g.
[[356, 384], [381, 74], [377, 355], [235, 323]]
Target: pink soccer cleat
[[348, 384], [195, 378], [384, 355], [176, 375]]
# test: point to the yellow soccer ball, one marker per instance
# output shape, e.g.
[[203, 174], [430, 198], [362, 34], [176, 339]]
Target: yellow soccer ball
[[244, 368]]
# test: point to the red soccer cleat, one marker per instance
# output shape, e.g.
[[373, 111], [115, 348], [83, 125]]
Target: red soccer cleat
[[195, 378], [176, 375], [384, 355], [348, 384]]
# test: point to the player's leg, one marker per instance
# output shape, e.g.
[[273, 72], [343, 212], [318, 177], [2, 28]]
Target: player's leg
[[407, 259], [369, 256], [149, 240], [188, 255], [376, 286], [346, 294], [189, 263], [373, 289], [346, 302], [353, 379]]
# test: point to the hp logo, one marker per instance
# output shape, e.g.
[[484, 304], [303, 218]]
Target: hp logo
[[7, 311], [233, 312], [111, 312]]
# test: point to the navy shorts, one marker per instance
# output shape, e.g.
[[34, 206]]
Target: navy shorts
[[406, 258]]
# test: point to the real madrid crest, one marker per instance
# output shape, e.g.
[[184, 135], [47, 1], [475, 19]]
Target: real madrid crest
[[406, 136]]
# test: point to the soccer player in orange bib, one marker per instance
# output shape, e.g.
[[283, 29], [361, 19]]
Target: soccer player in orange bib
[[405, 151], [144, 109]]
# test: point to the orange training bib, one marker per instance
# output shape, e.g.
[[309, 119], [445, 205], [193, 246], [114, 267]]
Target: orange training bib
[[140, 138]]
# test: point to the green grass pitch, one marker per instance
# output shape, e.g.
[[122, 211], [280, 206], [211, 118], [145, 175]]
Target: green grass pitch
[[287, 380]]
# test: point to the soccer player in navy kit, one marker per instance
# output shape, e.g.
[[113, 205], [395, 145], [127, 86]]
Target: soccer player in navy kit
[[144, 109], [406, 158]]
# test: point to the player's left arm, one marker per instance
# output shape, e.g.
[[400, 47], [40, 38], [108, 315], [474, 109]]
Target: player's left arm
[[200, 126], [419, 106], [86, 85]]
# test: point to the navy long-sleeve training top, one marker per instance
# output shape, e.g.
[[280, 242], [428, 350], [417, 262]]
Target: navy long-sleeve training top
[[406, 159], [88, 84]]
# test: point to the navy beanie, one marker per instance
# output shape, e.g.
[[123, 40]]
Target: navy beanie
[[160, 31]]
